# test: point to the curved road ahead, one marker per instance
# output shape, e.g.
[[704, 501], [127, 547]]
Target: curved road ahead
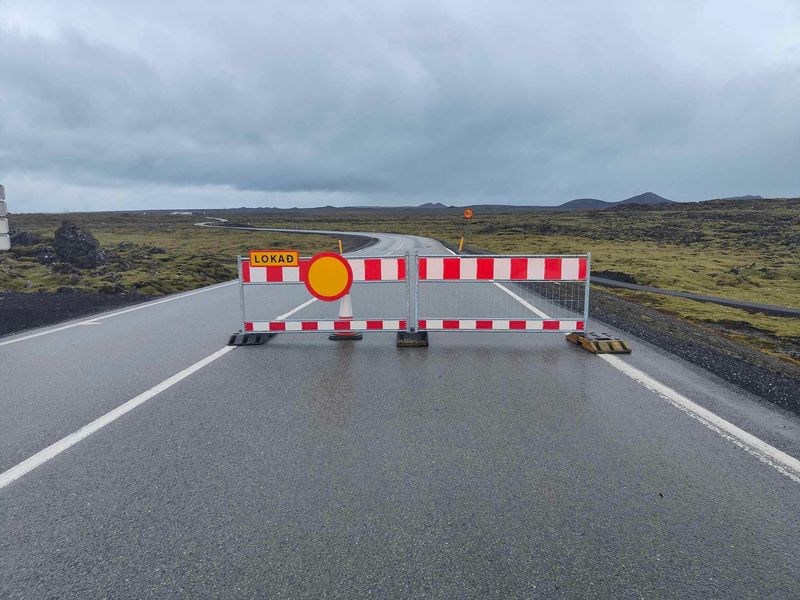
[[140, 457]]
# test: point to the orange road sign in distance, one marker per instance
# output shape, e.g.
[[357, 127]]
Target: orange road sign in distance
[[468, 213], [274, 258], [328, 276]]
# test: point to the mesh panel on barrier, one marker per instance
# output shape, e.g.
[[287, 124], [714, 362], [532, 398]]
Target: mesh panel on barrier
[[528, 293]]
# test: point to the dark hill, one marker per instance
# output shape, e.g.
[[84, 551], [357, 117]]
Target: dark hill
[[646, 198], [579, 203]]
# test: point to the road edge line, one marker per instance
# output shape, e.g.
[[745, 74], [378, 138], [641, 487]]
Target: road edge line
[[784, 463], [53, 450]]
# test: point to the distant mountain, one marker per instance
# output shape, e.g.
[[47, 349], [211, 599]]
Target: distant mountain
[[432, 205], [646, 198], [579, 203], [744, 198]]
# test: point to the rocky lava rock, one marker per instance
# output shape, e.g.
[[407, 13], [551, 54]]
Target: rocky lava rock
[[77, 246], [23, 238]]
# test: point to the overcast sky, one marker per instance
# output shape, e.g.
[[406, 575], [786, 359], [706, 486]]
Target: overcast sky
[[108, 104]]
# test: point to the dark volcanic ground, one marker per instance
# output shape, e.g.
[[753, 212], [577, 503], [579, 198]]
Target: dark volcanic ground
[[20, 310]]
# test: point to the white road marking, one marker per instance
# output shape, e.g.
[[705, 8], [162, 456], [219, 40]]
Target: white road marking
[[58, 447], [522, 301], [777, 459], [118, 313], [782, 462], [41, 457], [295, 309], [516, 297]]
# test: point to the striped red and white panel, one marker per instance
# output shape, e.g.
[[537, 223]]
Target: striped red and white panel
[[364, 269], [510, 268], [501, 325], [353, 325], [378, 269]]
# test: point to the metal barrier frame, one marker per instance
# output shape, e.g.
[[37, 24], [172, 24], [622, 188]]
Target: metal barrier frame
[[410, 324], [403, 321], [586, 282]]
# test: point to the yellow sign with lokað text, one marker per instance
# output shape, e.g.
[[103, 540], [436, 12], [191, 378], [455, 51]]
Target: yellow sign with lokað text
[[274, 258]]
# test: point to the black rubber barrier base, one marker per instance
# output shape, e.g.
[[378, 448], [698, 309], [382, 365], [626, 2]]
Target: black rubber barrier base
[[599, 343], [249, 339], [412, 339], [343, 337]]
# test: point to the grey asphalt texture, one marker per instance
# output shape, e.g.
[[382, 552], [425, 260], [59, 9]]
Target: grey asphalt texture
[[487, 465]]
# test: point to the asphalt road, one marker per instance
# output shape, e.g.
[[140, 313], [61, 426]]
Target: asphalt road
[[487, 465]]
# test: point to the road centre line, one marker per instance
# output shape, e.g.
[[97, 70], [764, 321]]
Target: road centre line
[[779, 460], [295, 309], [522, 301], [91, 320], [53, 450]]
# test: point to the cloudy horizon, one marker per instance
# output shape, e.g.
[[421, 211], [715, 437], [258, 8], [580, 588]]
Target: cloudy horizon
[[116, 106]]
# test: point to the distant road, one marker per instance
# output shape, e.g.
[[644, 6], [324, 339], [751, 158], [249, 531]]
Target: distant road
[[770, 309]]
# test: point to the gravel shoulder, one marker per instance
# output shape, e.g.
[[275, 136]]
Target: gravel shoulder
[[27, 310], [751, 370]]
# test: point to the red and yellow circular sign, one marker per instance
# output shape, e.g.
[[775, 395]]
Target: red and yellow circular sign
[[468, 213], [328, 276]]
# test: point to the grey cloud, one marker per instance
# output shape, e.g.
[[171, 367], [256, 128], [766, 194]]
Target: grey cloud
[[397, 102]]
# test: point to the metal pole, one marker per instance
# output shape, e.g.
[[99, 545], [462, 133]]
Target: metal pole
[[586, 293], [416, 291], [409, 276], [241, 289]]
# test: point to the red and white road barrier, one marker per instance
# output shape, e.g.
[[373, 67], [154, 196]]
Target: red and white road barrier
[[299, 326], [515, 293], [503, 268], [364, 269], [500, 325]]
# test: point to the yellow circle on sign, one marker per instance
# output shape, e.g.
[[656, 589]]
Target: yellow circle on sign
[[468, 213], [329, 276]]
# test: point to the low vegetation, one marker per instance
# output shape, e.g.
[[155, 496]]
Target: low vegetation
[[148, 254]]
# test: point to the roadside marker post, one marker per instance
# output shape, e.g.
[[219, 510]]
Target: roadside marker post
[[5, 238]]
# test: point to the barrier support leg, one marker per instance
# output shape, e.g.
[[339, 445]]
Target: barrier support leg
[[412, 337], [248, 338]]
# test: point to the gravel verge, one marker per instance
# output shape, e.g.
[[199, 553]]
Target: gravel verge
[[26, 310]]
